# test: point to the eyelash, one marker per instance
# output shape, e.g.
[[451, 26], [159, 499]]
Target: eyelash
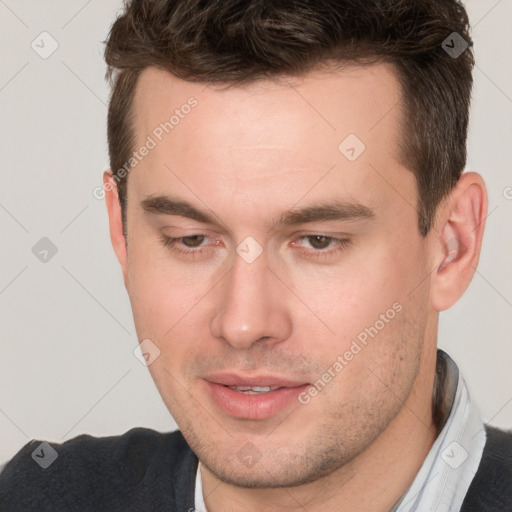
[[340, 244]]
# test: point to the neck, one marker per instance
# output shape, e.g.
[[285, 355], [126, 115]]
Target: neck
[[373, 481]]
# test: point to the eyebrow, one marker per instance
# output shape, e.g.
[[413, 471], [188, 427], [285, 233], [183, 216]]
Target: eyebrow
[[333, 210]]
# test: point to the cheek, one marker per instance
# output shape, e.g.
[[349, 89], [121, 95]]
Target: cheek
[[373, 313], [354, 294], [160, 293], [165, 302]]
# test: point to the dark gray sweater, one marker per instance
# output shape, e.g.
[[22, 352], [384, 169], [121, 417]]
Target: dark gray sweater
[[144, 470]]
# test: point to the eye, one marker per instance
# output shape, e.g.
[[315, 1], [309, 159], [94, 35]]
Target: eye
[[190, 242], [321, 242]]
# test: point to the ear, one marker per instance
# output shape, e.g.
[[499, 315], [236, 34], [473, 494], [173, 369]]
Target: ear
[[115, 221], [458, 239]]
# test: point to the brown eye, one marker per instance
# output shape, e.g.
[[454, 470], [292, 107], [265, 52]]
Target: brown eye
[[319, 241], [191, 245], [195, 240], [322, 246]]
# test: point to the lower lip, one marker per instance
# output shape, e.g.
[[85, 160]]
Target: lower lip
[[254, 407]]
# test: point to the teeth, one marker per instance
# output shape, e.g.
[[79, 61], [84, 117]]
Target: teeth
[[253, 390]]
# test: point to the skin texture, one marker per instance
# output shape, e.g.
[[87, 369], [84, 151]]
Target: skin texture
[[246, 155]]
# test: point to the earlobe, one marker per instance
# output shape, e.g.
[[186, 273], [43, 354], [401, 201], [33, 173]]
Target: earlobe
[[115, 221], [458, 240]]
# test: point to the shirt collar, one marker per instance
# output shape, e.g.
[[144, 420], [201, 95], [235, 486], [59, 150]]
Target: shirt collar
[[446, 473]]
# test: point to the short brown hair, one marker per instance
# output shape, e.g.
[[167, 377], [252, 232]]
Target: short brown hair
[[241, 41]]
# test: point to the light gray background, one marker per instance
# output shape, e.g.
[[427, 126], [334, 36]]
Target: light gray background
[[67, 336]]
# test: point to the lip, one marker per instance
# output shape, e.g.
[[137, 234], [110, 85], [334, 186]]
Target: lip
[[232, 379], [252, 407]]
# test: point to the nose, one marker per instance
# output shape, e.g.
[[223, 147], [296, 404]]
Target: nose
[[252, 306]]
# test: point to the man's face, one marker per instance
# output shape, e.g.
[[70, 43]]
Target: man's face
[[259, 302]]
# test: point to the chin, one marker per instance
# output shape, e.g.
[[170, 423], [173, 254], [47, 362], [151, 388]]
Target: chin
[[275, 471]]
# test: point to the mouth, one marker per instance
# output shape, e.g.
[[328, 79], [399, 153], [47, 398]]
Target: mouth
[[254, 390], [252, 398]]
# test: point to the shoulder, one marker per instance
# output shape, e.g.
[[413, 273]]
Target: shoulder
[[491, 488], [89, 473]]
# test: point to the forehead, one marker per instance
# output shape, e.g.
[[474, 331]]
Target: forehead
[[271, 141], [354, 98]]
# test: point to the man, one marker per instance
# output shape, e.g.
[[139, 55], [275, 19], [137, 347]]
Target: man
[[288, 208]]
